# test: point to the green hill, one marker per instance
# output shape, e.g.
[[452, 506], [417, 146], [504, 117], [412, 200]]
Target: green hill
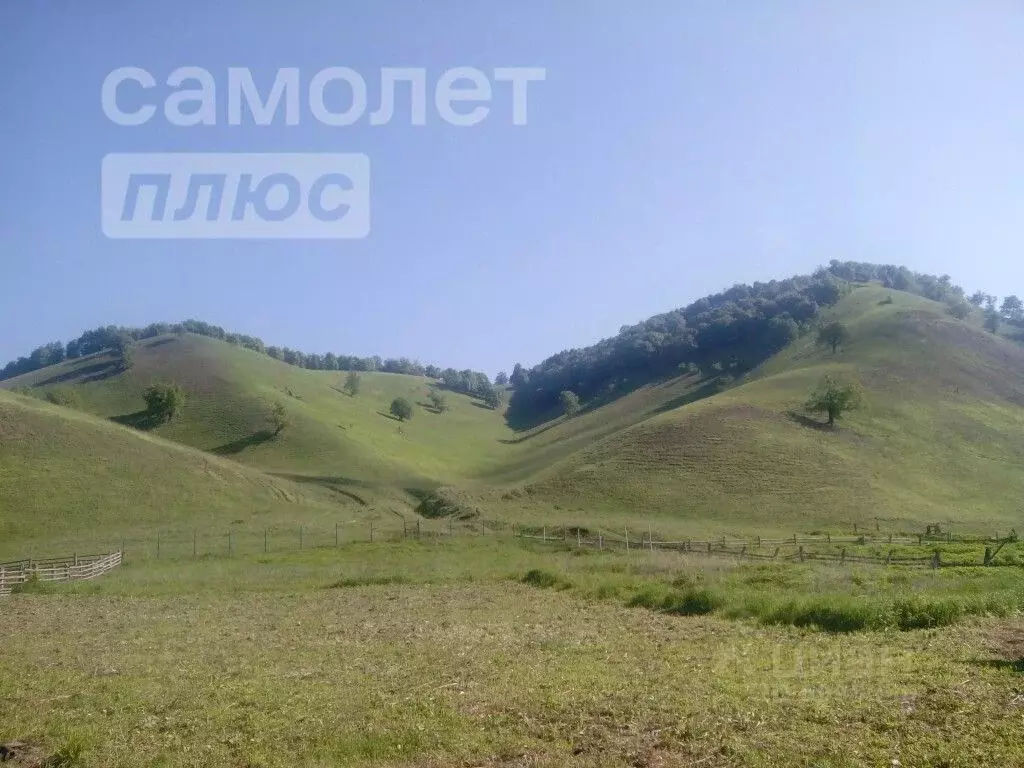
[[71, 481], [939, 439], [230, 391]]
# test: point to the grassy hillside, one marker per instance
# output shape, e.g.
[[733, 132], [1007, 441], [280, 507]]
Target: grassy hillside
[[940, 438], [230, 391], [70, 481]]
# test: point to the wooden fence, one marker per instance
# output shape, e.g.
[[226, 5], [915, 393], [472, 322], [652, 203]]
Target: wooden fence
[[70, 568]]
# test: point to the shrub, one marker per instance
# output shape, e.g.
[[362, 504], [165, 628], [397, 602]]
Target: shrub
[[682, 602], [538, 577]]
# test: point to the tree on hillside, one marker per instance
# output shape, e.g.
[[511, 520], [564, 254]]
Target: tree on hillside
[[124, 348], [501, 379], [961, 310], [978, 298], [278, 417], [164, 401], [401, 409], [834, 335], [494, 396], [519, 376], [352, 383], [991, 320], [1012, 310], [438, 400], [570, 403], [834, 397]]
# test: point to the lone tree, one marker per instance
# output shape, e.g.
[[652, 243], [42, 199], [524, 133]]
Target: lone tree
[[278, 417], [124, 348], [834, 335], [352, 383], [438, 400], [501, 379], [991, 320], [164, 401], [834, 398], [493, 397], [570, 403], [401, 409]]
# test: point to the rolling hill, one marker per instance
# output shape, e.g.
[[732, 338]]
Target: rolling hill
[[940, 438], [71, 481]]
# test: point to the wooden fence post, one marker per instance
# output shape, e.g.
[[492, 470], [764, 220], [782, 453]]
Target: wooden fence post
[[600, 541], [888, 558], [650, 537], [579, 539], [266, 542], [419, 531], [626, 531], [405, 529], [936, 561], [300, 537], [544, 534], [335, 534], [801, 553], [371, 531], [776, 552], [842, 555]]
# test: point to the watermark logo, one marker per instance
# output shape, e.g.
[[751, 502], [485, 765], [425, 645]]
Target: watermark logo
[[235, 195], [283, 195], [333, 96]]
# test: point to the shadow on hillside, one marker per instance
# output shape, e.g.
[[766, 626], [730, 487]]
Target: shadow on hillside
[[330, 482], [705, 390], [806, 421], [388, 416], [524, 438], [237, 446], [428, 407], [94, 372], [141, 420], [160, 342]]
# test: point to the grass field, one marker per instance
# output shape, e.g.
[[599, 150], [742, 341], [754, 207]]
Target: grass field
[[437, 654]]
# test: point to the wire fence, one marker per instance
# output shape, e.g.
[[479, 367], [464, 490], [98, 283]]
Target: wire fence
[[923, 550]]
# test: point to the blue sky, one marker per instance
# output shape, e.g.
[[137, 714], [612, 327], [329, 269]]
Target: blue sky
[[674, 149]]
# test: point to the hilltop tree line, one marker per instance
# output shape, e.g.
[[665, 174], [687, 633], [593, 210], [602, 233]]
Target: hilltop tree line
[[722, 335], [120, 340]]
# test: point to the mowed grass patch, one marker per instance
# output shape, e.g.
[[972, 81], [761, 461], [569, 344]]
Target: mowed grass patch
[[484, 673]]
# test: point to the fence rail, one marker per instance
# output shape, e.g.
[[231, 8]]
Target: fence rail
[[754, 549], [70, 568]]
